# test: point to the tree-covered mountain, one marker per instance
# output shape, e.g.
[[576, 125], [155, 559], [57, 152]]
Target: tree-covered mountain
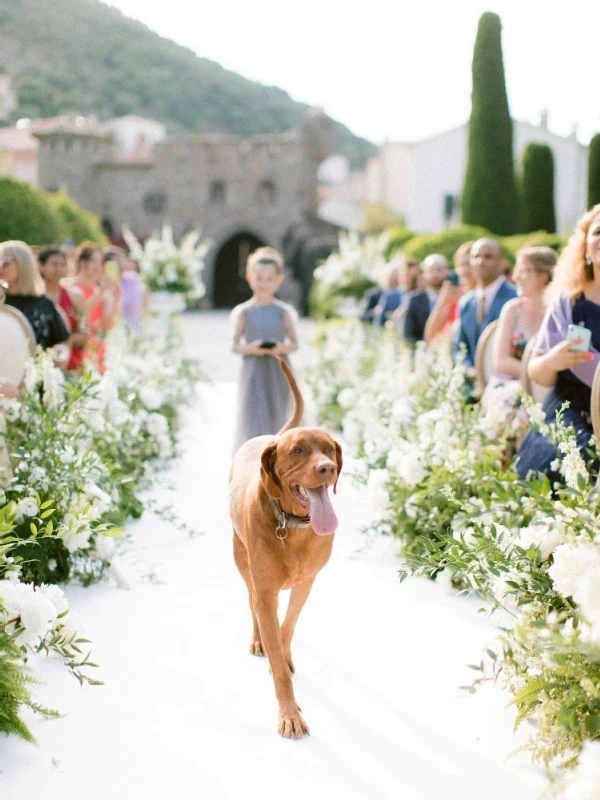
[[81, 56]]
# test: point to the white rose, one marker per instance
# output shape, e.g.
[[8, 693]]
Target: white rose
[[150, 397], [104, 547], [157, 424]]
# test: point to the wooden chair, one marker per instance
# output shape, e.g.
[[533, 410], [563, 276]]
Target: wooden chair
[[18, 344], [484, 357], [535, 390]]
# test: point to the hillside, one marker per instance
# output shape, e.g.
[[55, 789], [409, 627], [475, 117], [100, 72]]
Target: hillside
[[83, 56]]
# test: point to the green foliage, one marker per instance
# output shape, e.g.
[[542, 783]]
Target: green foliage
[[14, 691], [379, 217], [76, 224], [398, 237], [81, 56], [512, 244], [537, 189], [26, 214], [594, 171], [490, 194], [447, 242]]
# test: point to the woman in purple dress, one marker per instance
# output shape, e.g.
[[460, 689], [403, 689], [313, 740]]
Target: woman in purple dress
[[576, 299], [134, 296]]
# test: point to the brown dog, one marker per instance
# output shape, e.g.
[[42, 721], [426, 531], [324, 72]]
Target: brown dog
[[283, 525]]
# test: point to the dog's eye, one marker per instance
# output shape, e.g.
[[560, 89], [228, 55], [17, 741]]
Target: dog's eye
[[329, 448], [297, 451]]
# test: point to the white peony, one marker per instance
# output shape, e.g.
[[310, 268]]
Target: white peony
[[56, 597], [571, 563], [545, 537]]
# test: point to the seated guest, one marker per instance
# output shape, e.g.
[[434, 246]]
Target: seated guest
[[411, 282], [134, 296], [369, 303], [389, 299], [576, 299], [421, 304], [53, 268], [101, 301], [521, 318], [25, 292], [445, 313], [484, 303]]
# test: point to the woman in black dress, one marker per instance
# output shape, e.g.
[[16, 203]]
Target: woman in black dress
[[26, 293]]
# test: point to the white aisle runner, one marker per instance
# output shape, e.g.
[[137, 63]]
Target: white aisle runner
[[186, 712]]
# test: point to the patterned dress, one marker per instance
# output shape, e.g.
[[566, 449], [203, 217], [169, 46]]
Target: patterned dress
[[264, 398], [537, 452], [44, 317]]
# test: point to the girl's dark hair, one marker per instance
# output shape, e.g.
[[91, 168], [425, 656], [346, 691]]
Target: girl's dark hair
[[47, 252]]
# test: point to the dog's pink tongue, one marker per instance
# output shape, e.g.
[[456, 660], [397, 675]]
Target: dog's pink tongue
[[322, 516]]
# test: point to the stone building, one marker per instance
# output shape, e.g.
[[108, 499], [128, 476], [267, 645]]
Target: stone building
[[241, 191]]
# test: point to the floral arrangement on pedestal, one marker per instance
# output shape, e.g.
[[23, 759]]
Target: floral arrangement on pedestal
[[80, 447], [166, 267], [440, 476], [343, 278]]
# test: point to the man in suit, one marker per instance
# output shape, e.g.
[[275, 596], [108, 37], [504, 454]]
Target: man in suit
[[435, 272], [483, 304]]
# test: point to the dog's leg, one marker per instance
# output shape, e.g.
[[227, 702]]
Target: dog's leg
[[291, 724], [298, 596], [240, 555]]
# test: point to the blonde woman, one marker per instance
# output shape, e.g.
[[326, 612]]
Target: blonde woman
[[521, 318], [26, 293], [575, 299]]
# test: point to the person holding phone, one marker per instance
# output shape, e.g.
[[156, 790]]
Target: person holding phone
[[567, 351], [457, 284], [263, 327]]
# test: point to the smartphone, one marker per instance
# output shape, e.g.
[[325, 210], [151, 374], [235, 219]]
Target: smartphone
[[576, 332], [268, 345], [452, 278]]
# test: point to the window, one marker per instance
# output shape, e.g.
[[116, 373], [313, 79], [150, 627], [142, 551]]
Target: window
[[156, 202], [267, 193], [217, 192]]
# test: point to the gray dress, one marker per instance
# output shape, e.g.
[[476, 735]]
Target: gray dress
[[264, 398]]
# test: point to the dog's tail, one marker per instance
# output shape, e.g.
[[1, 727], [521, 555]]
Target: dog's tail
[[298, 412]]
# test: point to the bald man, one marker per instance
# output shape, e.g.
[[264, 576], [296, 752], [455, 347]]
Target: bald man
[[484, 303]]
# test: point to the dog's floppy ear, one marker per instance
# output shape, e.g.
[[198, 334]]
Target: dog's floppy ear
[[268, 476], [339, 462]]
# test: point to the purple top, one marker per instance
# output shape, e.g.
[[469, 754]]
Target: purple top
[[553, 331]]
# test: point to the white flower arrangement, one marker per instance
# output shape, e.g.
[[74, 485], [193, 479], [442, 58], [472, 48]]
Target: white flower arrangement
[[165, 267]]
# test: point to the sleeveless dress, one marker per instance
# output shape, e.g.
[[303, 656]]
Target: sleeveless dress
[[132, 301], [95, 349], [537, 452], [68, 306], [264, 398]]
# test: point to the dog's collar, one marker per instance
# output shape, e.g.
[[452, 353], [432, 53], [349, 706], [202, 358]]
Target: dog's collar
[[285, 520]]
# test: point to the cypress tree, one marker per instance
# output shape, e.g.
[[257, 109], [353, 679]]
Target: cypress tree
[[490, 191], [594, 171], [538, 189]]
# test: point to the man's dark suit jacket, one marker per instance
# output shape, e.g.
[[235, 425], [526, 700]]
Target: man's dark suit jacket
[[417, 314], [369, 301], [470, 330]]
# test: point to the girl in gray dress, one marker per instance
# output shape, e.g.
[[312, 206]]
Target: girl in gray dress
[[263, 327]]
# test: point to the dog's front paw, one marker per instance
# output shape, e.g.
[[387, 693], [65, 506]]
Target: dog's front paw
[[256, 648], [292, 726]]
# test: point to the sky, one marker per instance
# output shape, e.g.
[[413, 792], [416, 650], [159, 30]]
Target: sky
[[392, 70]]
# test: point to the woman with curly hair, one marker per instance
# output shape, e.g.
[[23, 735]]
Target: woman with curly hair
[[574, 298]]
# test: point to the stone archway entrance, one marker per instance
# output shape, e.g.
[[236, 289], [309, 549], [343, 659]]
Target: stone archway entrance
[[230, 287]]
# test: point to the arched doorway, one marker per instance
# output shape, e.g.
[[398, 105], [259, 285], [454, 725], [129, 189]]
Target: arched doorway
[[230, 287]]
